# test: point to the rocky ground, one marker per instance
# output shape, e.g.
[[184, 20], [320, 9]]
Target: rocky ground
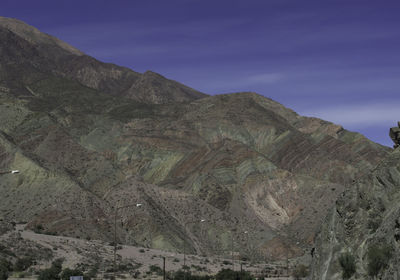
[[133, 262]]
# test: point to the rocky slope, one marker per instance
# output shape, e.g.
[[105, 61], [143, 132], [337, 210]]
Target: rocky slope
[[89, 137], [366, 219]]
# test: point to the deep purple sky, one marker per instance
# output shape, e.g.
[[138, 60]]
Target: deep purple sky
[[335, 59]]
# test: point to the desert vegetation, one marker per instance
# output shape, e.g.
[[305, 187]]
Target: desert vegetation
[[300, 272], [348, 264], [378, 256]]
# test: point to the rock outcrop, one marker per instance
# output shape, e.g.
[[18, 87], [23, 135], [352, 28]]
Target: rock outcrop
[[364, 223], [394, 134]]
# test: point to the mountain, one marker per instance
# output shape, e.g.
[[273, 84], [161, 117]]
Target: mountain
[[89, 137], [39, 55], [364, 223]]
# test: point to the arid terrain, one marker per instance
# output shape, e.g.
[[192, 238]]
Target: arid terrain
[[135, 262], [91, 140]]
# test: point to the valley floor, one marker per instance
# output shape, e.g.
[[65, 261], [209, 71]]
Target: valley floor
[[134, 262]]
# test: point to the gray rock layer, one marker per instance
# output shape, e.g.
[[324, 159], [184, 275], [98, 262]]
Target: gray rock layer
[[367, 214]]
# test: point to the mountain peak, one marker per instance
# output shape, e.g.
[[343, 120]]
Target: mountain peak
[[34, 36], [25, 47]]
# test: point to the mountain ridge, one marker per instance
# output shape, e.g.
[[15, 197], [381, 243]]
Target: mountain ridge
[[33, 35], [89, 137], [64, 60]]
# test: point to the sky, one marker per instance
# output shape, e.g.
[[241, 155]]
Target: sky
[[338, 60]]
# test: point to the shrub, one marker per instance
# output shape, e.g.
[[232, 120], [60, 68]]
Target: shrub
[[185, 267], [48, 274], [374, 222], [3, 273], [92, 272], [181, 275], [300, 271], [378, 258], [5, 267], [156, 269], [38, 228], [67, 273], [348, 264], [229, 274], [52, 273], [135, 274], [23, 264]]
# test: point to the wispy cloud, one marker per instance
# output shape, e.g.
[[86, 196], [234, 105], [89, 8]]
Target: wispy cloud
[[126, 51], [141, 30], [266, 78], [246, 82], [361, 116]]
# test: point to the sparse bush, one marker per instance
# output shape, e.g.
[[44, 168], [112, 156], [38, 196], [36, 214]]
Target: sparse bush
[[22, 275], [48, 274], [3, 273], [67, 273], [229, 274], [5, 267], [378, 258], [185, 267], [300, 271], [93, 272], [38, 228], [23, 264], [198, 267], [135, 274], [348, 264], [52, 273], [374, 222], [156, 269], [180, 275]]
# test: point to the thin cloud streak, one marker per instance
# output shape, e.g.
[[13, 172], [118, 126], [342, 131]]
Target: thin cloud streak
[[105, 31], [359, 116], [246, 82]]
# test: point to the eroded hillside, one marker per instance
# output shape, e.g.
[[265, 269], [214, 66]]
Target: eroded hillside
[[364, 223], [89, 137]]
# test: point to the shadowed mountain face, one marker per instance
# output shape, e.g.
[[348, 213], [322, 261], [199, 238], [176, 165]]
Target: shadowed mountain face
[[89, 137]]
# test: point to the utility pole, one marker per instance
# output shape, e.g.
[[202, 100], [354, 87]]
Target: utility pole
[[115, 244], [115, 235], [248, 253], [164, 278], [233, 264], [184, 246], [287, 262]]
